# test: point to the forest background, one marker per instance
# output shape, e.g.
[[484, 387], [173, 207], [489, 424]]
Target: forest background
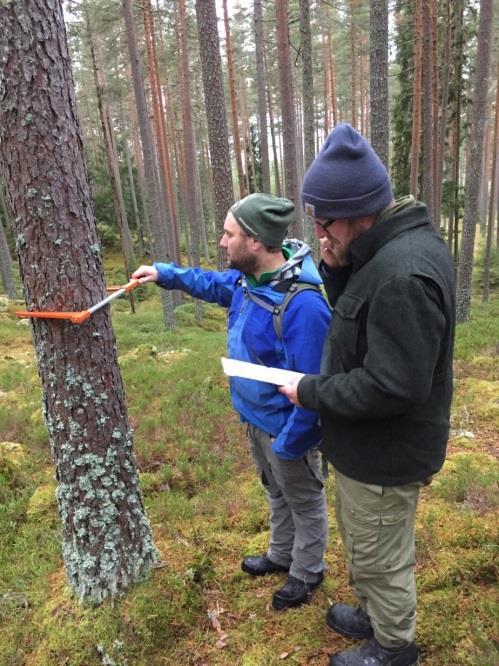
[[181, 111]]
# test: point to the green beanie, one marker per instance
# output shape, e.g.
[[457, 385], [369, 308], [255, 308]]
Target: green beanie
[[264, 217]]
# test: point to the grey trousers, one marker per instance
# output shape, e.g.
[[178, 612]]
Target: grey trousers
[[298, 511], [377, 528]]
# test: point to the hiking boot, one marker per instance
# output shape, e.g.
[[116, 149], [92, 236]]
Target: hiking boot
[[295, 592], [349, 621], [374, 654], [260, 565]]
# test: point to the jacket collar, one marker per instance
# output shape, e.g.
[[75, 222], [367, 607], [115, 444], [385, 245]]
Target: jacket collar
[[406, 214]]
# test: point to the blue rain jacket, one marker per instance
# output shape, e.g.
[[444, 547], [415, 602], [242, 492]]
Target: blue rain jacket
[[252, 338]]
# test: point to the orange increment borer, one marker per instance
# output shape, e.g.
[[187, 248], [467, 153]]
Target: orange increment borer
[[82, 315]]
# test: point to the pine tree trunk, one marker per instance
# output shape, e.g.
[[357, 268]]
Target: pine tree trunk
[[307, 82], [492, 198], [193, 204], [106, 537], [277, 179], [473, 166], [214, 101], [427, 119], [353, 63], [233, 102], [165, 169], [288, 115], [260, 88], [416, 96], [444, 102], [6, 265], [379, 79], [161, 250]]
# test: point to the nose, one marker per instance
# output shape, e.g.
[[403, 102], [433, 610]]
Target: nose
[[223, 243]]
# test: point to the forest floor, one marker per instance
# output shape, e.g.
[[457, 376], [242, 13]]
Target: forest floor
[[207, 511]]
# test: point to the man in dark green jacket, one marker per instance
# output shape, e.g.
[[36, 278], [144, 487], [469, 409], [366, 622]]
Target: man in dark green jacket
[[385, 386]]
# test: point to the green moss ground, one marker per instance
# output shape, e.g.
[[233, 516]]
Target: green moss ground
[[207, 510]]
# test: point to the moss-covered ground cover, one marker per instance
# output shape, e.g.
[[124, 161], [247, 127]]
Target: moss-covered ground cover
[[207, 510]]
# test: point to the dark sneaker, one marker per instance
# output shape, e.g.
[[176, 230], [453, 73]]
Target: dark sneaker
[[374, 654], [349, 621], [260, 565], [295, 592]]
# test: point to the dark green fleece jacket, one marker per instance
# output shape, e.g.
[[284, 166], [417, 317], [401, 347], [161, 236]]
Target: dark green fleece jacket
[[385, 386]]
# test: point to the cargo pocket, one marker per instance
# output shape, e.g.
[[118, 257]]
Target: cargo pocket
[[373, 542]]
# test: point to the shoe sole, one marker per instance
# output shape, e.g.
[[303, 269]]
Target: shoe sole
[[349, 634]]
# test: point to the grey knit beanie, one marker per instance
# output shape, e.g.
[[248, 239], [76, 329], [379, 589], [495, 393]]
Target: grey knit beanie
[[264, 217], [346, 179]]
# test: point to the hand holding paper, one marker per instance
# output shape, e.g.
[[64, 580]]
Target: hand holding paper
[[260, 373]]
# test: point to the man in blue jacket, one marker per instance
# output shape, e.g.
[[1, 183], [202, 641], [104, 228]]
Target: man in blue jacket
[[283, 438]]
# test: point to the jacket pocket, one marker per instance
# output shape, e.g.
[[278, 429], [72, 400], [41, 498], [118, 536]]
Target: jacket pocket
[[348, 317]]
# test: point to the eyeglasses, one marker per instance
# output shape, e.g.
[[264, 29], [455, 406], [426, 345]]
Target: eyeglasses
[[323, 225]]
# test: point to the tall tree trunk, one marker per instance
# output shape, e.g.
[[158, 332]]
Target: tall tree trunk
[[111, 156], [427, 119], [307, 88], [260, 89], [194, 208], [458, 22], [473, 165], [416, 97], [353, 62], [165, 170], [288, 114], [6, 265], [233, 102], [161, 250], [214, 102], [107, 541], [492, 198], [379, 78], [444, 103], [277, 179]]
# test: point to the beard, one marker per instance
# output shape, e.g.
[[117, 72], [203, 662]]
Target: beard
[[247, 264]]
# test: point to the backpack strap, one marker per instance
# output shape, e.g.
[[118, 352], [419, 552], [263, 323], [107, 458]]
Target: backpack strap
[[277, 310]]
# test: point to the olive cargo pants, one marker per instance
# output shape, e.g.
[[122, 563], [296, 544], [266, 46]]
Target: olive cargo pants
[[298, 510], [377, 528]]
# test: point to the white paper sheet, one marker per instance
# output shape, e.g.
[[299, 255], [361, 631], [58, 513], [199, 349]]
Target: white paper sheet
[[260, 373]]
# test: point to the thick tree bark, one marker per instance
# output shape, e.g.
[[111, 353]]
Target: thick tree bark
[[214, 102], [106, 537], [473, 166], [379, 78]]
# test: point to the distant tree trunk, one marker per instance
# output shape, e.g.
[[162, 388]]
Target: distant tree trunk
[[444, 102], [427, 119], [416, 97], [288, 114], [363, 78], [332, 79], [214, 101], [111, 156], [353, 63], [165, 170], [6, 265], [380, 121], [233, 102], [107, 541], [194, 208], [307, 82], [260, 88], [161, 250], [473, 165], [492, 197]]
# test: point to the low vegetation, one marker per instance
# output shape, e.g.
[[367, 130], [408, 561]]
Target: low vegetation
[[207, 511]]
